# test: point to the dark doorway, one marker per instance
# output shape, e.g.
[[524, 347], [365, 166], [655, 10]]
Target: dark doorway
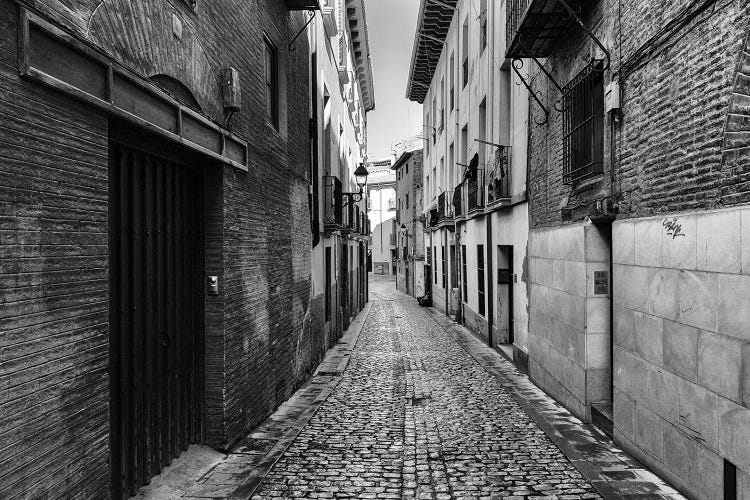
[[504, 309], [344, 291], [156, 313]]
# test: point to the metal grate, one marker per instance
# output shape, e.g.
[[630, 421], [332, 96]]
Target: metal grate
[[583, 124]]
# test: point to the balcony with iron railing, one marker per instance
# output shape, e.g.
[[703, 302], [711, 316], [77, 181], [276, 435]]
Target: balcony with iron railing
[[458, 204], [499, 179], [393, 239], [474, 197], [533, 26]]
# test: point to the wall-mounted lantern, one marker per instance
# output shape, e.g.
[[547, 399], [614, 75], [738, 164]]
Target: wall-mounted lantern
[[360, 177]]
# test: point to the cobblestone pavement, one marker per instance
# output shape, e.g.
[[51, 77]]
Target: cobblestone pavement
[[415, 415]]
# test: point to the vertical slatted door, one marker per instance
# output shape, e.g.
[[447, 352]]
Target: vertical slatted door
[[156, 314]]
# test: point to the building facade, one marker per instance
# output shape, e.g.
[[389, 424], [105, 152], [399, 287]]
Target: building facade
[[409, 228], [381, 189], [637, 272], [158, 282], [474, 174], [343, 93]]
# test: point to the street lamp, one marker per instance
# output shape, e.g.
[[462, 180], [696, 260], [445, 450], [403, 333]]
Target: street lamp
[[360, 177]]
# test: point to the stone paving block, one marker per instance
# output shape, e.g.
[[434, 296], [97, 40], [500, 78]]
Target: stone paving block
[[679, 252], [699, 468], [662, 293], [624, 328], [698, 299], [720, 365], [698, 412], [649, 338], [734, 430], [629, 286], [648, 242], [681, 349], [623, 242], [648, 432], [734, 313], [719, 249], [624, 414]]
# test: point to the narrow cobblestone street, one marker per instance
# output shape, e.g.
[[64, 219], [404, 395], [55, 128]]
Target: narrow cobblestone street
[[416, 416]]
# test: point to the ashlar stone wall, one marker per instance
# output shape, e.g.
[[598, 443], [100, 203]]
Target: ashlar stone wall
[[682, 345]]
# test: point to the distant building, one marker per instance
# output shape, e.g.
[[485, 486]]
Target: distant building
[[381, 188], [409, 228], [474, 174]]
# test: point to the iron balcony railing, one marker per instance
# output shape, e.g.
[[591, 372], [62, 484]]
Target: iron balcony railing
[[393, 239], [333, 217], [458, 195], [441, 207], [499, 178], [302, 4], [533, 26], [475, 196]]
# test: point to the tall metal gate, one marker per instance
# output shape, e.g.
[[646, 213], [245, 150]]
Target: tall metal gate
[[156, 314]]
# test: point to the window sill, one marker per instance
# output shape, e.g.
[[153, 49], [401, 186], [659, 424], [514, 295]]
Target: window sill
[[586, 184]]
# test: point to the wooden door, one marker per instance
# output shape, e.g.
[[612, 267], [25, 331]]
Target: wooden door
[[156, 314]]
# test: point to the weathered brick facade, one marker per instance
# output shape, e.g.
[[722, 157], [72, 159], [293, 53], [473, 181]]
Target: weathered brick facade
[[260, 338], [679, 146]]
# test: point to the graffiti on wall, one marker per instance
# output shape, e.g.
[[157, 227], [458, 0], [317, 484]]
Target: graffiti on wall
[[673, 227]]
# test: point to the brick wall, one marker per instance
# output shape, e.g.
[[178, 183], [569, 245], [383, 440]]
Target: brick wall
[[54, 286], [262, 338], [670, 146]]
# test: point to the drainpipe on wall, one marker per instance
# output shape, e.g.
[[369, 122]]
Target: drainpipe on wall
[[447, 273], [488, 217], [490, 313]]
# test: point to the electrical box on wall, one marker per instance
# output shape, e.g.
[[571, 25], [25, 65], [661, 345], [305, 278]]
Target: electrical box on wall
[[601, 283], [230, 90], [612, 96]]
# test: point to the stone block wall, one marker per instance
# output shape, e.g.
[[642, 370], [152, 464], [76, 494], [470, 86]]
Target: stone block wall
[[682, 345], [568, 323]]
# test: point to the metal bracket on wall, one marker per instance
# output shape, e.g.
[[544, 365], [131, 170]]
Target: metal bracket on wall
[[590, 33], [551, 78], [516, 69], [291, 44]]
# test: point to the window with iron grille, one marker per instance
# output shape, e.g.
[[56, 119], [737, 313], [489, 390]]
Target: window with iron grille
[[583, 124], [480, 278]]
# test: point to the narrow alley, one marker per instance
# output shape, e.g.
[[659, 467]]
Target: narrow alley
[[421, 410]]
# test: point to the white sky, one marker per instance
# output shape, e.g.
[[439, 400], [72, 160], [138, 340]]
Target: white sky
[[391, 25]]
